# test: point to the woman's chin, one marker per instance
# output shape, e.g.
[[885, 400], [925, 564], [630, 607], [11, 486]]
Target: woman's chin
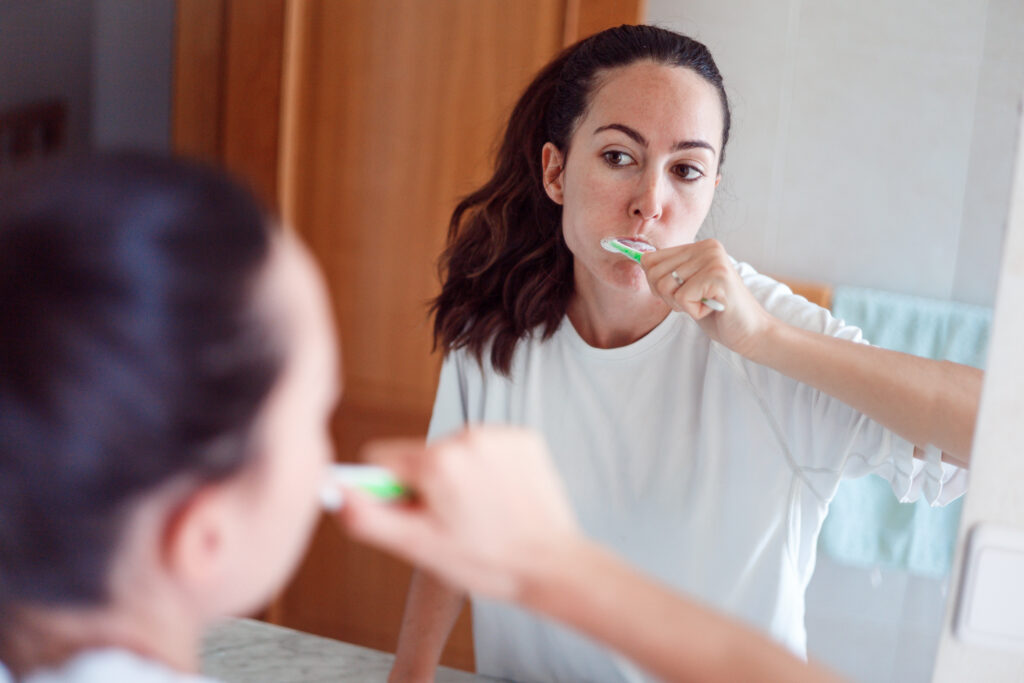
[[630, 279], [623, 276]]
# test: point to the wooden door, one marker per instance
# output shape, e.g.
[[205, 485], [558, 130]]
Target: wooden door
[[365, 121]]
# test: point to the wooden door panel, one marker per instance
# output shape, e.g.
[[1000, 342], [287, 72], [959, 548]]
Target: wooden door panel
[[227, 87], [395, 123], [199, 44], [251, 105], [401, 124]]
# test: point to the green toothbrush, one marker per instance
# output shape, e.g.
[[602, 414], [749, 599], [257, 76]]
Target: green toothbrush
[[376, 481], [616, 246]]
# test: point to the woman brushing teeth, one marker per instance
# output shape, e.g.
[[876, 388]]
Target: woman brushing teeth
[[636, 250], [702, 445]]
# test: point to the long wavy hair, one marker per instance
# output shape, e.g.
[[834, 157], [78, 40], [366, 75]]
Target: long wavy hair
[[506, 269]]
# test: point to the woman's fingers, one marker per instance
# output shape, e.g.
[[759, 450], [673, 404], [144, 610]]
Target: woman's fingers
[[402, 456], [396, 528], [707, 272], [687, 275], [487, 500]]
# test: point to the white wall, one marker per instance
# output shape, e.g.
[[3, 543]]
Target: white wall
[[46, 52], [111, 60], [132, 48], [997, 468], [870, 143], [1000, 86]]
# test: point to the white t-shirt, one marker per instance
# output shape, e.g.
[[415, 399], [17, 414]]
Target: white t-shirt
[[109, 666], [699, 467]]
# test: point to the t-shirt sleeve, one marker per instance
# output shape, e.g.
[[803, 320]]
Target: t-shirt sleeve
[[450, 403], [827, 439], [837, 442]]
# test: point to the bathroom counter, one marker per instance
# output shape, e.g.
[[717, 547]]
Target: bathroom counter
[[249, 651]]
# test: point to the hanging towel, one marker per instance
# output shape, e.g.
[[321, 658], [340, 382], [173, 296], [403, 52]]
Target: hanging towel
[[866, 525]]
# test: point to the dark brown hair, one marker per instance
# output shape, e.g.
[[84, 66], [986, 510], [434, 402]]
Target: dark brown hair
[[506, 269]]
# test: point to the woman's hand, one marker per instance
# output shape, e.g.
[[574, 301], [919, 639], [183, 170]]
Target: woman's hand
[[706, 272], [488, 508]]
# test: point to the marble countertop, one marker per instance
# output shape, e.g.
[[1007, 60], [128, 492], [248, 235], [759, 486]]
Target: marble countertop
[[249, 651]]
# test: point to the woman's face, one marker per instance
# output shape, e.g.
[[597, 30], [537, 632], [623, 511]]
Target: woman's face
[[278, 501], [642, 164]]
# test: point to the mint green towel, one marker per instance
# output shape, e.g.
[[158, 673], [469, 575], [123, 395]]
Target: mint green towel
[[866, 525]]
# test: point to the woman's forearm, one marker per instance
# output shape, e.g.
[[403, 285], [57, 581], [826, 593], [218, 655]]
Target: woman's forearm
[[590, 589], [926, 402], [922, 400], [430, 613]]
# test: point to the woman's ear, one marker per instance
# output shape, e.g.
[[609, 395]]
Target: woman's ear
[[552, 162], [197, 539], [718, 179]]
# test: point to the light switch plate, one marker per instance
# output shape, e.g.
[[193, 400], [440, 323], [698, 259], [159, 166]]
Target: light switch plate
[[990, 611]]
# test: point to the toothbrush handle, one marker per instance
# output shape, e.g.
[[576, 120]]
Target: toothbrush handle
[[713, 305]]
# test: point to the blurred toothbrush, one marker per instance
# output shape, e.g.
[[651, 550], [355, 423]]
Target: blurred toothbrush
[[376, 481], [617, 246]]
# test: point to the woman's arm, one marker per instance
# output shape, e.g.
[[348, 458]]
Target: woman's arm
[[490, 516], [674, 638], [431, 610], [432, 606], [925, 401]]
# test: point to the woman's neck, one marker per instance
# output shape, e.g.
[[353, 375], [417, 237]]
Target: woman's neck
[[38, 639], [608, 318]]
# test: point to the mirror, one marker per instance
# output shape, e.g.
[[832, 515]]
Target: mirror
[[872, 146]]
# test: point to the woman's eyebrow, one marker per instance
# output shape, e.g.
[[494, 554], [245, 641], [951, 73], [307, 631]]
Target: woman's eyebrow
[[640, 139], [692, 144], [622, 128]]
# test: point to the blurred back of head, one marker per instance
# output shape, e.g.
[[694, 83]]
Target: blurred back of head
[[132, 354]]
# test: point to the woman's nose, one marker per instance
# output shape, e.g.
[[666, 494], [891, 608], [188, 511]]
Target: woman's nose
[[647, 203]]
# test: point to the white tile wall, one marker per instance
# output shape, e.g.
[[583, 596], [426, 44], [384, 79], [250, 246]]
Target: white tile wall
[[879, 142], [871, 139], [1000, 87]]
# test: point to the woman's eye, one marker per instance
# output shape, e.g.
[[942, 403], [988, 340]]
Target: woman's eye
[[687, 172], [616, 158]]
